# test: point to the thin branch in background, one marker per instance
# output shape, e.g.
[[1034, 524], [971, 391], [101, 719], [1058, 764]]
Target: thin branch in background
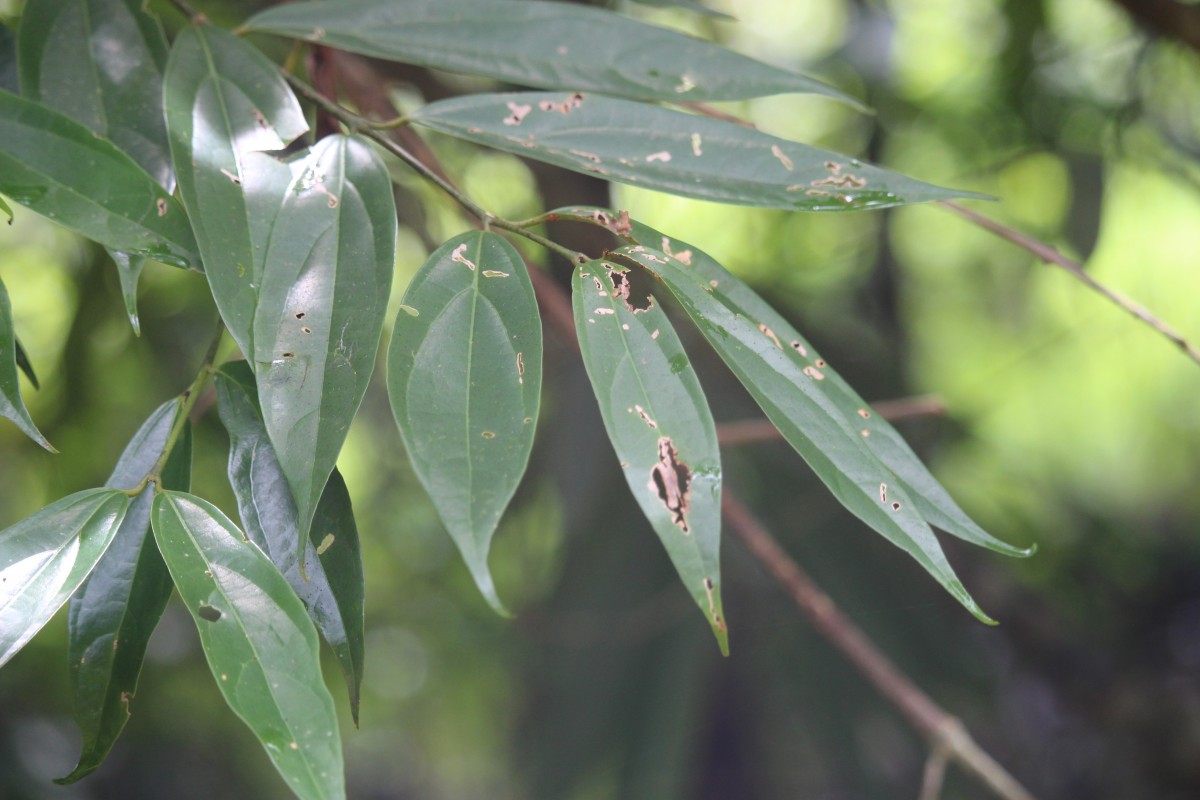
[[750, 431], [934, 775], [1051, 255], [943, 731]]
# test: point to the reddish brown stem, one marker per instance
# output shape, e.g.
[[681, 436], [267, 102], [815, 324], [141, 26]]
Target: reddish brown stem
[[944, 731]]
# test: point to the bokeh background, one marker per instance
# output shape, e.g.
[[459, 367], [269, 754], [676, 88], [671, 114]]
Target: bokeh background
[[1067, 424]]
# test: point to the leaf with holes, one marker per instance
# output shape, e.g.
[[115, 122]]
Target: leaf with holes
[[226, 107], [331, 585], [464, 378], [545, 45], [117, 608], [59, 168], [814, 409], [260, 645], [11, 404], [658, 422], [44, 559], [325, 287], [670, 151]]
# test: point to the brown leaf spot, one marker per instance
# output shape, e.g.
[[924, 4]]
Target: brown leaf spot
[[820, 362], [770, 334], [595, 159], [686, 84], [683, 257], [300, 314], [519, 112], [488, 435], [799, 347], [325, 544], [814, 373], [709, 590], [236, 180], [566, 107], [494, 273], [783, 158], [655, 334], [865, 433], [661, 155], [696, 144], [883, 492], [846, 181], [646, 417], [520, 368], [604, 311], [306, 329], [862, 412], [671, 479], [895, 506], [161, 204], [458, 256]]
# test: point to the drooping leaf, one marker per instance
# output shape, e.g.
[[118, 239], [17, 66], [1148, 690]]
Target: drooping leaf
[[464, 378], [129, 269], [62, 170], [260, 645], [226, 108], [672, 151], [100, 62], [658, 422], [815, 410], [117, 608], [11, 404], [8, 62], [331, 586], [6, 210], [24, 364], [690, 5], [45, 557], [325, 287], [539, 44]]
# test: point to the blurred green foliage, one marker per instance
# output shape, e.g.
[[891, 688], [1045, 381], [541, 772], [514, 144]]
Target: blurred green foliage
[[1069, 424]]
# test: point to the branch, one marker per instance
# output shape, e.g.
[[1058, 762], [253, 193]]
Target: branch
[[1175, 20], [945, 732], [1051, 255], [750, 431]]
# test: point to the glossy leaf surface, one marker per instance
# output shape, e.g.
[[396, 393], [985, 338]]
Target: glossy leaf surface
[[671, 151], [24, 364], [116, 610], [539, 44], [226, 108], [325, 287], [659, 424], [260, 645], [60, 169], [464, 378], [333, 590], [45, 557], [816, 413], [100, 62], [11, 404]]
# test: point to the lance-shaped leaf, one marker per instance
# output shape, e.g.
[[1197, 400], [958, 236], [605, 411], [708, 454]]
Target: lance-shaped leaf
[[226, 107], [117, 608], [66, 57], [66, 60], [331, 585], [820, 418], [671, 151], [24, 363], [544, 45], [45, 557], [260, 645], [11, 404], [658, 422], [62, 170], [325, 288], [464, 378]]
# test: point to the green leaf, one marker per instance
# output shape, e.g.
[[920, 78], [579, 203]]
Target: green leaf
[[7, 211], [63, 170], [544, 45], [668, 150], [67, 51], [325, 287], [226, 106], [129, 269], [260, 645], [815, 410], [23, 363], [659, 423], [333, 590], [117, 608], [464, 378], [11, 355], [45, 557]]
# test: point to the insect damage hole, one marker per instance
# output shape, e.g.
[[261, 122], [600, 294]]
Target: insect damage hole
[[709, 592], [641, 412], [770, 334], [671, 479], [161, 203], [636, 298], [519, 112], [207, 612], [458, 257]]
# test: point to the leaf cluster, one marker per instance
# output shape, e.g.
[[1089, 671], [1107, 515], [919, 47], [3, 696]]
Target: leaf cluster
[[199, 157]]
